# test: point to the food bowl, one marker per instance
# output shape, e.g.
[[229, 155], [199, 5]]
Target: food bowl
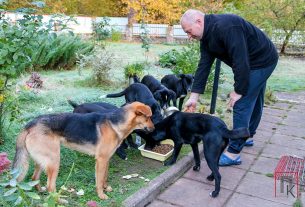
[[157, 156]]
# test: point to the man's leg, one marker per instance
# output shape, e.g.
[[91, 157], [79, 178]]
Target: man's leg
[[243, 111], [256, 116]]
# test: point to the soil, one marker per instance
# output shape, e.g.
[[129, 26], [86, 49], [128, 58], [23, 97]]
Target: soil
[[163, 148]]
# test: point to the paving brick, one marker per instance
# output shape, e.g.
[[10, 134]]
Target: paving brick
[[261, 186], [292, 131], [271, 119], [227, 173], [247, 161], [243, 200], [263, 135], [274, 112], [276, 151], [264, 165], [256, 148], [288, 141], [189, 193], [158, 203]]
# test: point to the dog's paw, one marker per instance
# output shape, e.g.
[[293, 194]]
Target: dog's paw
[[210, 177], [196, 168], [103, 96], [214, 194], [108, 188], [102, 196]]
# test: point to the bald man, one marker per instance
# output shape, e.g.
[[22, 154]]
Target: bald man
[[252, 57]]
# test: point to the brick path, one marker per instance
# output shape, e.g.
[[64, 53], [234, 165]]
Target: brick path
[[281, 131]]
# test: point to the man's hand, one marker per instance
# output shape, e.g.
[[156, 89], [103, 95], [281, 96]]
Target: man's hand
[[190, 105], [233, 98]]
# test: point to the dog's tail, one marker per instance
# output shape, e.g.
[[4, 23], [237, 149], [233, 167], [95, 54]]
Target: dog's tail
[[114, 95], [21, 160], [73, 104], [242, 132]]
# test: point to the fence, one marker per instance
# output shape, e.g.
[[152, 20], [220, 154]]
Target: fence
[[84, 26]]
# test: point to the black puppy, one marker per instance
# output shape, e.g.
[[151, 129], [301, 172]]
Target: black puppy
[[181, 86], [159, 91], [191, 128], [139, 92], [103, 107]]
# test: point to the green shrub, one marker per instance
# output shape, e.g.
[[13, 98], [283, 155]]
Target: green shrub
[[168, 59], [134, 69], [101, 62], [59, 51], [116, 35], [101, 29]]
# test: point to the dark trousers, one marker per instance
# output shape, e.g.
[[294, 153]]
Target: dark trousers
[[248, 110]]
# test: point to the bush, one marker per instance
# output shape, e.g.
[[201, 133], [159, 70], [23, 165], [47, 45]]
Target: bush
[[101, 62], [116, 35], [101, 29], [134, 69], [59, 51], [169, 59]]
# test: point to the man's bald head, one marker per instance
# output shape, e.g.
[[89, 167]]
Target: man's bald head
[[190, 16], [192, 22]]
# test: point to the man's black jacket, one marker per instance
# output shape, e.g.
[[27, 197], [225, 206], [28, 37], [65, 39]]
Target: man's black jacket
[[236, 42]]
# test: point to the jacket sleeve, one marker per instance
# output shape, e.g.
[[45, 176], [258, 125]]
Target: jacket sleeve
[[203, 70], [236, 45]]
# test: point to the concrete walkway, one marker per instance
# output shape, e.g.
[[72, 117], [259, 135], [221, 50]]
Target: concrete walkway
[[281, 132]]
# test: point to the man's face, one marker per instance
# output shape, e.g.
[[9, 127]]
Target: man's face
[[193, 30]]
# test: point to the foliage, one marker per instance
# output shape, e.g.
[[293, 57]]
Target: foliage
[[101, 29], [59, 51], [145, 37], [272, 15], [9, 109], [17, 193], [116, 35], [168, 59], [134, 69], [158, 11], [101, 62]]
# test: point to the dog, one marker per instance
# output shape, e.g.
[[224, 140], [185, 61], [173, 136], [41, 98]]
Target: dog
[[96, 134], [181, 86], [104, 107], [191, 128], [140, 92], [159, 91]]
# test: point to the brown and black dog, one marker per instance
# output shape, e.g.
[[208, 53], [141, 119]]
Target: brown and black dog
[[95, 134]]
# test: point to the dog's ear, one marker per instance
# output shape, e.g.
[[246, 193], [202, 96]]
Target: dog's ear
[[143, 109]]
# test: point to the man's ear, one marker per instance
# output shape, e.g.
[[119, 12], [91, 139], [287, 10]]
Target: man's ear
[[143, 110]]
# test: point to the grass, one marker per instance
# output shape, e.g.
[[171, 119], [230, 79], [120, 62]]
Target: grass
[[61, 85]]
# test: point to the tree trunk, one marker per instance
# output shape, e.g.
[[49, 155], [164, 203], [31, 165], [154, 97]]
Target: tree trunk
[[170, 34], [286, 41], [128, 32]]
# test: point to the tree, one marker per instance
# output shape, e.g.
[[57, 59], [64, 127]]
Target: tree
[[157, 11], [285, 15]]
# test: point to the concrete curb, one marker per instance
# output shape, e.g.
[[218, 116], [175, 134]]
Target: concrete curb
[[148, 193]]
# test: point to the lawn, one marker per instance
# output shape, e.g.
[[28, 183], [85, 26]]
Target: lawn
[[62, 85]]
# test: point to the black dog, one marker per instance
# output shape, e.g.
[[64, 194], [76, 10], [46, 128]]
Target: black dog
[[139, 92], [103, 107], [191, 128], [159, 91], [181, 86]]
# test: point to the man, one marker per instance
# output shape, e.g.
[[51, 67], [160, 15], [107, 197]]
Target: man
[[252, 56]]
